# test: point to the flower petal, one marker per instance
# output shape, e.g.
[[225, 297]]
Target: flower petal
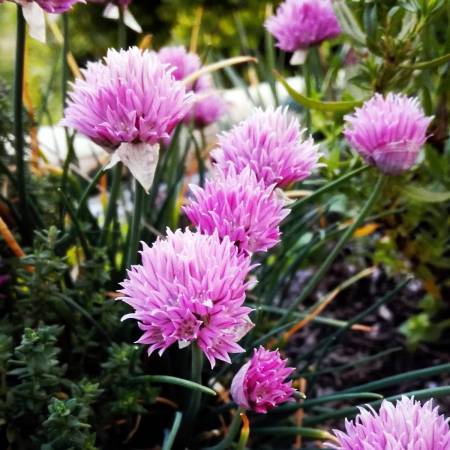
[[141, 159], [35, 17]]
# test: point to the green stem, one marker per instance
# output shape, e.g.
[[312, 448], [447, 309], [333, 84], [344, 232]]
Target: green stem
[[233, 430], [65, 77], [18, 124], [111, 208], [122, 30], [83, 240], [135, 228], [193, 405], [92, 185], [307, 77], [65, 51], [169, 441], [317, 277], [243, 438], [328, 187], [196, 377], [173, 380]]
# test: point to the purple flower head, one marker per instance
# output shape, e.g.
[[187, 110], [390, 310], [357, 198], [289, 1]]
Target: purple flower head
[[260, 384], [124, 3], [130, 97], [57, 6], [271, 144], [299, 24], [185, 63], [209, 106], [388, 132], [190, 288], [129, 103], [240, 207], [406, 425]]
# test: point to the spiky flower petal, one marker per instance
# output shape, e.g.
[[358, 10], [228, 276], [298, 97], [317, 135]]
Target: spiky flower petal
[[406, 425], [260, 384], [240, 207], [299, 24], [388, 131], [271, 143], [190, 287]]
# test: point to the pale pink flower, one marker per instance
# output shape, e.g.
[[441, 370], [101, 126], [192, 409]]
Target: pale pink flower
[[190, 288], [299, 24], [185, 63], [271, 143], [209, 106], [261, 384], [388, 132], [128, 104], [240, 207], [405, 425]]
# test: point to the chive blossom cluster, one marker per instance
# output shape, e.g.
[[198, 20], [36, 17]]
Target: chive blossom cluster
[[190, 287]]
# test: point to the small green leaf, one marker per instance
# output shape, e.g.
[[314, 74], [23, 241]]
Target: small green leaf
[[310, 103], [420, 194]]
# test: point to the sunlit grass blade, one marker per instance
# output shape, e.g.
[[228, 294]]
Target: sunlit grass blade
[[218, 66]]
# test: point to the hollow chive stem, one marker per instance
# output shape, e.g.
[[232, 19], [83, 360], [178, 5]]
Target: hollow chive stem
[[135, 228], [122, 30], [18, 125]]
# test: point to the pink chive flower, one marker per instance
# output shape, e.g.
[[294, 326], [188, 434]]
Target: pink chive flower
[[209, 107], [299, 24], [271, 143], [190, 288], [260, 384], [388, 132], [185, 63], [115, 2], [57, 6], [127, 104], [406, 425], [240, 207]]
